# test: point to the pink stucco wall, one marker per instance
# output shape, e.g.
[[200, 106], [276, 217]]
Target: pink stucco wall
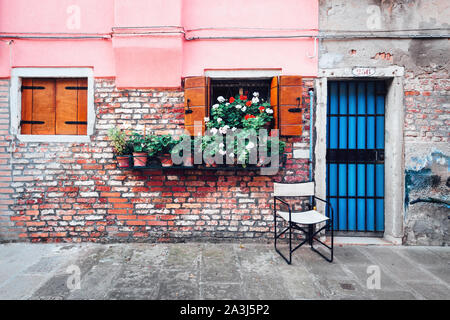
[[146, 44]]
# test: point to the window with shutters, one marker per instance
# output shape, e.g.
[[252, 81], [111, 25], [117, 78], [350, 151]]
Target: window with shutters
[[285, 94], [53, 106]]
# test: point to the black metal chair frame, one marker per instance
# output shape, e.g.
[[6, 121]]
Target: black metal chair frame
[[310, 234]]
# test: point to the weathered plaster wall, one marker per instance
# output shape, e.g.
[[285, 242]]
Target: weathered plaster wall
[[426, 92]]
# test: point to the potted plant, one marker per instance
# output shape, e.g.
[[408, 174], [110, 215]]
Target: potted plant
[[153, 147], [166, 145], [250, 114], [139, 150], [179, 147], [122, 147]]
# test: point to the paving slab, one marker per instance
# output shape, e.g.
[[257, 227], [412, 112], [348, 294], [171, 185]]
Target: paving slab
[[219, 271]]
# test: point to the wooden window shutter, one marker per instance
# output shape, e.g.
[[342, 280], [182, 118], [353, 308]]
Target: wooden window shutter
[[71, 106], [195, 102], [290, 112], [27, 106], [82, 106], [274, 100], [66, 106], [38, 106], [54, 106]]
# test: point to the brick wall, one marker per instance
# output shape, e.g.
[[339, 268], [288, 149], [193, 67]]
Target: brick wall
[[74, 192], [7, 229], [427, 116], [427, 155]]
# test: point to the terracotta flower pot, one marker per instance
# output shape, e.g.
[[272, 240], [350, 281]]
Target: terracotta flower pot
[[188, 161], [209, 163], [261, 161], [267, 125], [123, 161], [140, 159], [166, 160]]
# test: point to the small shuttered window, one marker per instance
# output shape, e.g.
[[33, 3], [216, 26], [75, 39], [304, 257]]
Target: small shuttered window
[[54, 106], [285, 98]]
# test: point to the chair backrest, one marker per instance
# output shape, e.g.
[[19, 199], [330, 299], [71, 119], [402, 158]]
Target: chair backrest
[[293, 189]]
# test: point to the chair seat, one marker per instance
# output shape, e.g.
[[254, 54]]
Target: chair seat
[[304, 217]]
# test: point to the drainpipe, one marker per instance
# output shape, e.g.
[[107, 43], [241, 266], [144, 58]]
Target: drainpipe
[[311, 131], [311, 134]]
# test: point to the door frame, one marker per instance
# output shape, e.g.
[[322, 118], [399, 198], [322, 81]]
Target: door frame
[[393, 137]]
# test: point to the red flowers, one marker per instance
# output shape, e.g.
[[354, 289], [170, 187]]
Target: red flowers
[[261, 109], [231, 100], [248, 103], [249, 116], [242, 97]]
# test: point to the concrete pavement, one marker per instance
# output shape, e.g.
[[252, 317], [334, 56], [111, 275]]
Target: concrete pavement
[[220, 271]]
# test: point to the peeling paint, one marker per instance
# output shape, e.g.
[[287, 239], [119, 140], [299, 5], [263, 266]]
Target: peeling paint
[[425, 161]]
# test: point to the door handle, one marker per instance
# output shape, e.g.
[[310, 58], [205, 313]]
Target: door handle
[[188, 111], [298, 109]]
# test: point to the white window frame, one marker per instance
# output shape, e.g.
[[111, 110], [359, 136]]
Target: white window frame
[[244, 74], [16, 101]]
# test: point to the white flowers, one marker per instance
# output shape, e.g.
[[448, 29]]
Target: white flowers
[[227, 104], [215, 106], [256, 94], [255, 100], [250, 145], [222, 149], [221, 99], [269, 111], [219, 120], [238, 106], [233, 129], [224, 129], [213, 130], [244, 108], [206, 119]]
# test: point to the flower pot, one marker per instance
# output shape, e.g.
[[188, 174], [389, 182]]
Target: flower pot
[[154, 161], [267, 126], [166, 160], [261, 161], [123, 161], [140, 159], [188, 161]]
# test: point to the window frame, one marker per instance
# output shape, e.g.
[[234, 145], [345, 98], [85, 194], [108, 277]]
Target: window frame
[[240, 74], [16, 101]]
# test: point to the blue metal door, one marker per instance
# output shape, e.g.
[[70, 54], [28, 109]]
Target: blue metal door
[[355, 155]]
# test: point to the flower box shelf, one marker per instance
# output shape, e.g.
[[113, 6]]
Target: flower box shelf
[[198, 167], [157, 166]]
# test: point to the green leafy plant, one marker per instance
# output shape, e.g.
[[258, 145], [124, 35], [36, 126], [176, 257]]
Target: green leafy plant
[[156, 145], [138, 142], [119, 141], [238, 112], [152, 145]]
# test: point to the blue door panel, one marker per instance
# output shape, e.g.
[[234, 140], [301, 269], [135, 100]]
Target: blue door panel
[[355, 155]]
